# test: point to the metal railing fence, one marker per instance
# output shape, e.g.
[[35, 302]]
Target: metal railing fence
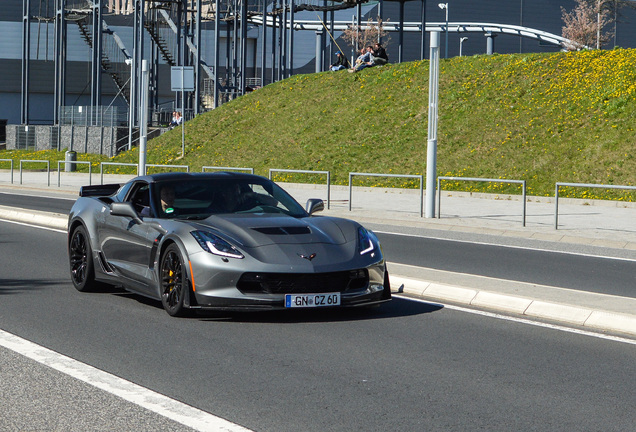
[[521, 182], [328, 173], [420, 177], [101, 168], [48, 169], [109, 116], [582, 185], [187, 167], [11, 161], [217, 168], [90, 170]]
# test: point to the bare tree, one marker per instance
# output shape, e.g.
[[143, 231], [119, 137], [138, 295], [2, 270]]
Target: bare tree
[[373, 32], [585, 24]]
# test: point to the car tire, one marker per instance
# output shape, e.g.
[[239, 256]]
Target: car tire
[[174, 281], [81, 264]]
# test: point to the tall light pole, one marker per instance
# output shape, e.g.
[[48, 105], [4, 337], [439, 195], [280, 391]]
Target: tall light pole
[[461, 42], [431, 148], [130, 62], [143, 117], [444, 6]]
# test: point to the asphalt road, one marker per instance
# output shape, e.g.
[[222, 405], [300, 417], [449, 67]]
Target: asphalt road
[[565, 270], [407, 366], [48, 204]]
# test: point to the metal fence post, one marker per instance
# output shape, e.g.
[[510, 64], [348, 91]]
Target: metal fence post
[[556, 206]]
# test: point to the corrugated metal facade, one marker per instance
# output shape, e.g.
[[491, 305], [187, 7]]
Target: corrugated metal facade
[[539, 14]]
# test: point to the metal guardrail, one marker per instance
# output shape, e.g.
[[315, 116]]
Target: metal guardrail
[[90, 170], [187, 167], [421, 177], [9, 160], [328, 173], [439, 190], [583, 185], [217, 168], [48, 169], [101, 168]]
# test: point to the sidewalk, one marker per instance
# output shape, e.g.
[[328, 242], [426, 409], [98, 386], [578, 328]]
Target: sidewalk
[[585, 226]]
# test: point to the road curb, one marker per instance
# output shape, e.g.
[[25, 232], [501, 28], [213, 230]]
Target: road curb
[[40, 218], [558, 312]]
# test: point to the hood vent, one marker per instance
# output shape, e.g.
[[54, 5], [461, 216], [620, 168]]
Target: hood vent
[[295, 230]]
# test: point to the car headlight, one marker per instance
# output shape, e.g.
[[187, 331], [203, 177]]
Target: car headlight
[[216, 245], [365, 242]]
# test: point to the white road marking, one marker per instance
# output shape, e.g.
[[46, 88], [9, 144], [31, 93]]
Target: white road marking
[[141, 396], [509, 246], [522, 320]]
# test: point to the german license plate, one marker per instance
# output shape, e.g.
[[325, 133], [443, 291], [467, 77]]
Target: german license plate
[[311, 300]]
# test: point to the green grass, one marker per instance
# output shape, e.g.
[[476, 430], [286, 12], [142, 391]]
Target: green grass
[[544, 118]]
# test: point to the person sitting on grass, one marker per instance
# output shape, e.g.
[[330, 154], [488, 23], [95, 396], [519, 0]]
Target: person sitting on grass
[[341, 62], [365, 60], [379, 54]]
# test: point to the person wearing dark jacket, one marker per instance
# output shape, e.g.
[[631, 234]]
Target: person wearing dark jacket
[[379, 54], [341, 62]]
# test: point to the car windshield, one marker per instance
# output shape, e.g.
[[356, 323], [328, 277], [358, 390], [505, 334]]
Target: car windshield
[[201, 198]]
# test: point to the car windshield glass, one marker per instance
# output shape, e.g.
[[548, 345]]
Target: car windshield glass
[[200, 198]]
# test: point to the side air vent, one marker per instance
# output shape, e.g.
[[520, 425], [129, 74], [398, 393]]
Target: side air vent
[[283, 230], [106, 267]]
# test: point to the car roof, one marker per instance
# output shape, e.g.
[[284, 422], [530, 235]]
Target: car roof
[[181, 176]]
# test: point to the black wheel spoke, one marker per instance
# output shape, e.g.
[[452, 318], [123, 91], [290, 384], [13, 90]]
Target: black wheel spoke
[[81, 261], [173, 282], [78, 257]]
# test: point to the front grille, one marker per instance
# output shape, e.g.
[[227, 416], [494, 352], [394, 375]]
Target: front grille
[[302, 283]]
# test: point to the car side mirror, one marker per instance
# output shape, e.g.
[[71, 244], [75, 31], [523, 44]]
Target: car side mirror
[[124, 209], [314, 205]]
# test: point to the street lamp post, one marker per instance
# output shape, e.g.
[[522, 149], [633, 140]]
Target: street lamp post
[[444, 6], [431, 148], [461, 42], [130, 62]]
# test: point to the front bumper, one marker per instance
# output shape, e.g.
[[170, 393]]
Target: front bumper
[[227, 290]]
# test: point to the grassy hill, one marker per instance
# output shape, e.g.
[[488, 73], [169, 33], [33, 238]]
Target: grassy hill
[[565, 117]]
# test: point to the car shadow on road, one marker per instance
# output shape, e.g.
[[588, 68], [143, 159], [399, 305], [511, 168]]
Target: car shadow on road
[[393, 309], [12, 286]]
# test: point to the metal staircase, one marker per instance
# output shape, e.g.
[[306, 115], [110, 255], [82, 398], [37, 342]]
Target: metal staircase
[[114, 53], [164, 32]]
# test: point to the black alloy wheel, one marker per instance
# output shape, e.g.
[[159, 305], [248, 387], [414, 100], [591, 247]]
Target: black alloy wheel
[[174, 283], [81, 261]]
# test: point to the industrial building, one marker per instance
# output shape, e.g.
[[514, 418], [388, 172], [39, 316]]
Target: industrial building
[[71, 64]]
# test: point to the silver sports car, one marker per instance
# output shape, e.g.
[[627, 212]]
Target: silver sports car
[[221, 241]]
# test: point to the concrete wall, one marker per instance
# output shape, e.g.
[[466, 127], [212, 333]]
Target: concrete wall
[[82, 139]]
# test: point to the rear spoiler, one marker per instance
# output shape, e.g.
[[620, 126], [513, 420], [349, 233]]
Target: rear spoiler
[[99, 190]]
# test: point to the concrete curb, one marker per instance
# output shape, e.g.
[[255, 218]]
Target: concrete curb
[[558, 312], [40, 218]]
